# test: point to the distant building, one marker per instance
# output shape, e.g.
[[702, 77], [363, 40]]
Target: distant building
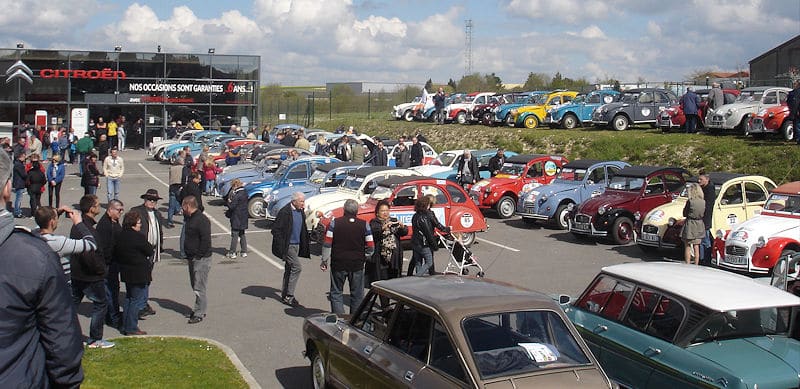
[[773, 67]]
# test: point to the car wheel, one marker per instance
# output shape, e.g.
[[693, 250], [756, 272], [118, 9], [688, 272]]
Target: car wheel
[[467, 238], [782, 260], [505, 207], [255, 207], [509, 120], [744, 126], [787, 130], [487, 118], [408, 116], [562, 216], [531, 121], [620, 122], [622, 231], [159, 155], [318, 374], [570, 121], [461, 117]]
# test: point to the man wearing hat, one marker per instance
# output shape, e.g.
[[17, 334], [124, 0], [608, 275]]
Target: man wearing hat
[[152, 223], [41, 337]]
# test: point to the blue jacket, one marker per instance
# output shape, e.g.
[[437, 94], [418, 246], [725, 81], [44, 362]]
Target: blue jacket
[[690, 103], [39, 328], [58, 175]]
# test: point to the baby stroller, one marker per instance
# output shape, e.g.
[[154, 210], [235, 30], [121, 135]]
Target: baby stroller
[[461, 259]]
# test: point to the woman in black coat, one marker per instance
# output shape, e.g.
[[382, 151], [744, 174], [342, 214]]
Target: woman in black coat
[[238, 214], [387, 260], [91, 176], [35, 183], [132, 253]]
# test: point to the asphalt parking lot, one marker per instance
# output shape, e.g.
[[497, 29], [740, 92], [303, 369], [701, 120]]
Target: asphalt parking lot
[[244, 311]]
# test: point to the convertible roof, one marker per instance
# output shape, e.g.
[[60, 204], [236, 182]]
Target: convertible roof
[[582, 163], [719, 178], [524, 158], [640, 90], [367, 170], [790, 188], [326, 167], [716, 289], [456, 297], [399, 180], [644, 171]]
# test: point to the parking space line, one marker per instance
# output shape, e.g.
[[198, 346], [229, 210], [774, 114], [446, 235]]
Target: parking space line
[[498, 245], [225, 228]]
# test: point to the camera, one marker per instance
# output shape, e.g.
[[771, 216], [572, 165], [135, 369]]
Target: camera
[[393, 219], [65, 213]]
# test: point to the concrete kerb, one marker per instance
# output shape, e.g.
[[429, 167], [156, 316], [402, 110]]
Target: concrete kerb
[[248, 378]]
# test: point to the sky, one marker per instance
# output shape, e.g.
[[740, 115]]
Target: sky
[[310, 42]]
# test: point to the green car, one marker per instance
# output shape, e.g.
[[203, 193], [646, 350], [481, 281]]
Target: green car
[[672, 325]]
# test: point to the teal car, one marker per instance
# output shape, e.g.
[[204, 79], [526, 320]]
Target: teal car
[[673, 325], [502, 113], [579, 110]]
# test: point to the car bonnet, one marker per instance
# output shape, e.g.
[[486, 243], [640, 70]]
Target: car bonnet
[[758, 360], [766, 226], [611, 198]]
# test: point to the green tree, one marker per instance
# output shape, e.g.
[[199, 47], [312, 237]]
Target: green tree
[[452, 84], [557, 82], [535, 81], [493, 83]]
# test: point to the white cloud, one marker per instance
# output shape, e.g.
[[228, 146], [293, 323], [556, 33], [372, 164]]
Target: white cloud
[[654, 29], [570, 11]]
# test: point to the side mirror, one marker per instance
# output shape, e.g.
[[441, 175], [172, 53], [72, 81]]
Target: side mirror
[[331, 318], [563, 299]]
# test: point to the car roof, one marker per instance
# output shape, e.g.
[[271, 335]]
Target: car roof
[[640, 90], [525, 158], [326, 167], [582, 163], [716, 289], [789, 188], [644, 171], [398, 180], [457, 296], [367, 170]]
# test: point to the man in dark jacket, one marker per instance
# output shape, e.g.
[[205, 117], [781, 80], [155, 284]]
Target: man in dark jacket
[[198, 254], [88, 271], [793, 101], [290, 242], [709, 194], [19, 180], [289, 139], [152, 228], [380, 155], [41, 337], [438, 103], [348, 243], [691, 105], [108, 229], [416, 152], [467, 173], [497, 161]]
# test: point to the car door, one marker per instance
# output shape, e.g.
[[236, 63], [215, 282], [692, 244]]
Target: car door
[[445, 367], [654, 193], [350, 362], [755, 196], [594, 185], [403, 204], [729, 207], [441, 208], [534, 172], [428, 154], [644, 108], [405, 352]]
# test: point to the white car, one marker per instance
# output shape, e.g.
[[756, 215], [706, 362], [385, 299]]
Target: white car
[[358, 185], [444, 162], [461, 113], [428, 153], [406, 110], [737, 114], [156, 148]]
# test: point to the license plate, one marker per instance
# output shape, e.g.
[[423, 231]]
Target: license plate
[[580, 226], [735, 259], [649, 237]]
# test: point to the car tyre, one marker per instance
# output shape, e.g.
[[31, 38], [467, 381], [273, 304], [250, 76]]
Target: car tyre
[[408, 116], [159, 155], [622, 231], [569, 122], [509, 120], [505, 207], [461, 117], [783, 259], [787, 130], [561, 219], [467, 238], [620, 123], [319, 377], [255, 207], [744, 126], [487, 118], [531, 121]]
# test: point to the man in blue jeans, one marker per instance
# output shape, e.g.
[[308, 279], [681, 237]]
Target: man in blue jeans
[[348, 243], [18, 182], [88, 272]]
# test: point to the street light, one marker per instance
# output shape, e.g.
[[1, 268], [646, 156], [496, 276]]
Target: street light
[[20, 45], [706, 81], [117, 48], [211, 50]]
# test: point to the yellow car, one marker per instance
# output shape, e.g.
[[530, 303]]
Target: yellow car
[[531, 115], [739, 197]]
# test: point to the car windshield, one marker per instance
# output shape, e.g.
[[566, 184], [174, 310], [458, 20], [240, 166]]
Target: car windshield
[[628, 184], [578, 99], [318, 177], [745, 324], [571, 175], [538, 99], [353, 182], [444, 159], [780, 202], [513, 169], [749, 96], [281, 169], [629, 97], [517, 342], [381, 193]]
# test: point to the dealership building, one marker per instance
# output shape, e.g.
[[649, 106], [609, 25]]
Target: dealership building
[[62, 87]]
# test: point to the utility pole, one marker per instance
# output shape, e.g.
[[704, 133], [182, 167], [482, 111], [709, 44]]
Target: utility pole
[[468, 47]]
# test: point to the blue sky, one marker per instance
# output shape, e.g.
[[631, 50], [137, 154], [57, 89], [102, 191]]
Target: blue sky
[[304, 42]]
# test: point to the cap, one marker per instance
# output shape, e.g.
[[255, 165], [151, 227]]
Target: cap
[[151, 194]]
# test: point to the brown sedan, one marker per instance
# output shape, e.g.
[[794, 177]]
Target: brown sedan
[[450, 331]]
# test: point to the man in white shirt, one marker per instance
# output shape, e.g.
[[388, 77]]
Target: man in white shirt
[[114, 168]]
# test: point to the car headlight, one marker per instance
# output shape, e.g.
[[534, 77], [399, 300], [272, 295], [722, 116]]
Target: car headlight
[[761, 242], [671, 221], [527, 187], [637, 215], [543, 199], [730, 112], [602, 210]]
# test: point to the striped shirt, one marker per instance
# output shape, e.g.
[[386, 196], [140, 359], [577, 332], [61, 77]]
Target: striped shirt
[[64, 247]]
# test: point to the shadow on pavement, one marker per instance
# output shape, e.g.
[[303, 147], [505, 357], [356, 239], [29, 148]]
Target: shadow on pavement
[[265, 292], [635, 252], [294, 377], [172, 306], [577, 239]]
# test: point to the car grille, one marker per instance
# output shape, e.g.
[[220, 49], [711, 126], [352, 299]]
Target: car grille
[[758, 124], [582, 218], [650, 229], [475, 198], [735, 250]]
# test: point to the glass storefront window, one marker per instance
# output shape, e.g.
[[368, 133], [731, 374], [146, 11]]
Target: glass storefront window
[[147, 65]]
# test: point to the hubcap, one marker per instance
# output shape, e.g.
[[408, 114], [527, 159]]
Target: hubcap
[[569, 122], [562, 219], [506, 208], [258, 208], [619, 123], [319, 373], [624, 232]]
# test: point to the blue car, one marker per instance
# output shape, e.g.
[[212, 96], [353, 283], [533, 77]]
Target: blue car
[[198, 141], [578, 180], [579, 110], [287, 175], [326, 177], [263, 166], [502, 112]]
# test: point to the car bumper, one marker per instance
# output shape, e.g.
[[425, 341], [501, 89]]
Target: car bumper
[[757, 126], [665, 121], [585, 228], [531, 211], [738, 258], [720, 121]]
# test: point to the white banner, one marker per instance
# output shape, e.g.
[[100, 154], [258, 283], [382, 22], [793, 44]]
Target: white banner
[[80, 121]]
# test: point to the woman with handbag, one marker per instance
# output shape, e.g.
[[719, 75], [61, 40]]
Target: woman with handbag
[[693, 227], [238, 214], [387, 260]]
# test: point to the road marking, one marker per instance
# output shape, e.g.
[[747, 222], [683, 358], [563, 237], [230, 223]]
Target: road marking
[[225, 228], [498, 245]]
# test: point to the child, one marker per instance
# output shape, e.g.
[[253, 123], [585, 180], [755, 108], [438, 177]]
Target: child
[[210, 171]]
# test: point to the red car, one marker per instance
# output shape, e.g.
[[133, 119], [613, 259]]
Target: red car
[[501, 191], [772, 120], [673, 117], [630, 195], [452, 207]]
